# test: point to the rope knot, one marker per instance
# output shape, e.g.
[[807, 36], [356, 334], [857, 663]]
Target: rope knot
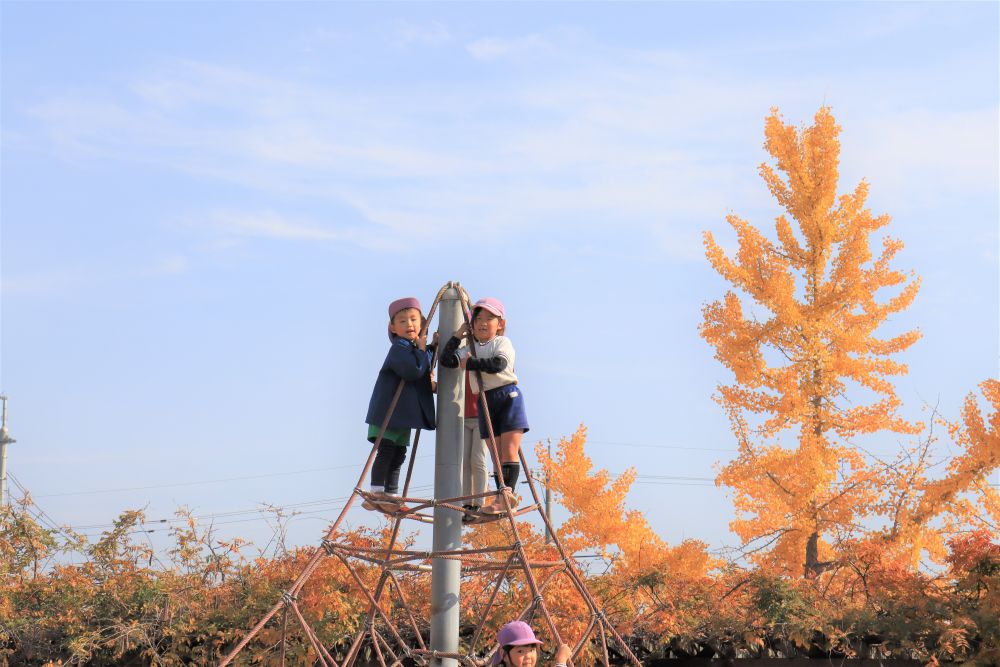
[[328, 546], [288, 597]]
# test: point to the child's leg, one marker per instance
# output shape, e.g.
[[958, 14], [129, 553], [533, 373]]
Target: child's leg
[[506, 410], [380, 468], [396, 455], [510, 463], [391, 438], [510, 470], [474, 467], [480, 470], [469, 436]]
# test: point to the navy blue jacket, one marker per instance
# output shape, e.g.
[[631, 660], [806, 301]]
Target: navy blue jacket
[[415, 408]]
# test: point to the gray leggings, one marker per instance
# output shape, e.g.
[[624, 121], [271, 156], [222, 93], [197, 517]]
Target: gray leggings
[[474, 470]]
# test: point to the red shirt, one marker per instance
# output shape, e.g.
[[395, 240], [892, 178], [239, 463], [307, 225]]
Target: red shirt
[[471, 399]]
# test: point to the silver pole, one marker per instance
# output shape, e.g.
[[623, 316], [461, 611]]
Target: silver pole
[[447, 484], [5, 439]]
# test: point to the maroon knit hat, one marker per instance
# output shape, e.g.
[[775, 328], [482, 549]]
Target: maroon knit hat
[[403, 304]]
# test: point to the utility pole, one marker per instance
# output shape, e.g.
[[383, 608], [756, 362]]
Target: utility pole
[[548, 499], [445, 572], [5, 439]]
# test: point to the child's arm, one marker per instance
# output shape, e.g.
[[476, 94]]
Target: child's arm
[[407, 361], [494, 364], [491, 365], [431, 346], [450, 358]]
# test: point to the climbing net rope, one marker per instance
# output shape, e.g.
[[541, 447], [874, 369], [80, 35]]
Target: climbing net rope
[[379, 629]]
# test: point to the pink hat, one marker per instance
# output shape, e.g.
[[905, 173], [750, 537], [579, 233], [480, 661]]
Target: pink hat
[[403, 304], [491, 304], [515, 633]]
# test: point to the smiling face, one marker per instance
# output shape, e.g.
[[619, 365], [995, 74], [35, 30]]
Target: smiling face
[[406, 323], [521, 656], [486, 325]]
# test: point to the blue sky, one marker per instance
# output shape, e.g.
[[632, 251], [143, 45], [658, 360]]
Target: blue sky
[[206, 208]]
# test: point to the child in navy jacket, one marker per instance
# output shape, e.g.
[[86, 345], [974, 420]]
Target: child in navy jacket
[[409, 359]]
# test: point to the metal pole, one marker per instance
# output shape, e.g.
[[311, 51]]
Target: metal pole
[[548, 499], [447, 484], [5, 439]]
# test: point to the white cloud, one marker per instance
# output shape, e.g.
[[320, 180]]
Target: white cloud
[[173, 264], [45, 283], [274, 225], [432, 33], [632, 139], [952, 150], [318, 38], [495, 48]]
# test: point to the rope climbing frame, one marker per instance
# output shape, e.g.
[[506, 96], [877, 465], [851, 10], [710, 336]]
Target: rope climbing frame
[[379, 632]]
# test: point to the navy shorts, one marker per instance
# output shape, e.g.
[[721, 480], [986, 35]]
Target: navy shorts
[[506, 406]]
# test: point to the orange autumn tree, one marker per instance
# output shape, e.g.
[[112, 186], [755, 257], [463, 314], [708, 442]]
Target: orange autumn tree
[[962, 500], [805, 354], [965, 490], [649, 586], [598, 516]]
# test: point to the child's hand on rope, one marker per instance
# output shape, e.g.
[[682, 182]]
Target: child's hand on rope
[[563, 654], [462, 331], [422, 340]]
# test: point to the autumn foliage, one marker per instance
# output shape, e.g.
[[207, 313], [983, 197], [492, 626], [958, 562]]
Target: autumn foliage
[[121, 606]]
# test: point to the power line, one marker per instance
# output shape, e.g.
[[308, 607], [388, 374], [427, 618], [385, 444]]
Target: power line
[[203, 481], [646, 446], [38, 513], [291, 517], [659, 480], [266, 511]]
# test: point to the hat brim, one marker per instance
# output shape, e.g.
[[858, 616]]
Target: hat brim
[[493, 309]]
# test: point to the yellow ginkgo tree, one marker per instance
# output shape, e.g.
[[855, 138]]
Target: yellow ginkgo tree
[[799, 331]]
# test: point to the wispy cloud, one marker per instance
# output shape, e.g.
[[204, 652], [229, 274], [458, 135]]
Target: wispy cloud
[[88, 274], [172, 265], [957, 150], [274, 225], [432, 33], [47, 282], [496, 48], [631, 139]]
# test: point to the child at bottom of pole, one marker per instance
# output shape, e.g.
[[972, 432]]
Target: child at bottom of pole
[[518, 647], [408, 360], [494, 359]]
